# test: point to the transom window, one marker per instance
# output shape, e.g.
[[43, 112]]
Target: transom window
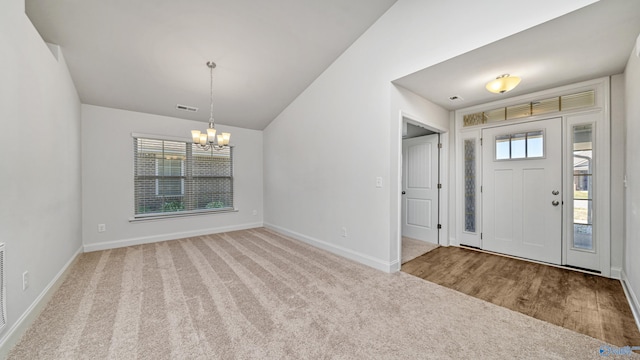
[[529, 145], [543, 106], [172, 177]]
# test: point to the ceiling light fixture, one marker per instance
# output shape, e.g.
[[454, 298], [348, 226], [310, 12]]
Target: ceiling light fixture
[[503, 83], [207, 140]]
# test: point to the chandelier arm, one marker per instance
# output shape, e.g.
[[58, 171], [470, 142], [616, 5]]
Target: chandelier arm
[[212, 146]]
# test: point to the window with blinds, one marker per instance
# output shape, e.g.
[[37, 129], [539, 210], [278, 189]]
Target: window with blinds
[[177, 177]]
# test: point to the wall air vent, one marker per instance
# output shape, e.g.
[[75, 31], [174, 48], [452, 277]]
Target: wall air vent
[[187, 108]]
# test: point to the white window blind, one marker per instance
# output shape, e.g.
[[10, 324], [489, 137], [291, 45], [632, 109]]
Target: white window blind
[[178, 177], [170, 179]]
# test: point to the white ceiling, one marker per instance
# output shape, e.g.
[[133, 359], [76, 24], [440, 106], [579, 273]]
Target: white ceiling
[[149, 55], [591, 42]]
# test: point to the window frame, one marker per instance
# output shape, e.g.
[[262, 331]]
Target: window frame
[[189, 157]]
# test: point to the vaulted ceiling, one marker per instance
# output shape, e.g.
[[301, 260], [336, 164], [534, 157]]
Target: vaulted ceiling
[[150, 55]]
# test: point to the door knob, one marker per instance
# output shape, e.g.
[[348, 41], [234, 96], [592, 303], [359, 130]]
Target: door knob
[[555, 203], [555, 192], [403, 192]]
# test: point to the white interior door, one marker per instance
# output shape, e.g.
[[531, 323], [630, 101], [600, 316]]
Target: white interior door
[[420, 188], [522, 184]]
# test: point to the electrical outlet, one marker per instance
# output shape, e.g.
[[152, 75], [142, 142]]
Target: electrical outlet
[[25, 280], [344, 231], [102, 227], [378, 182]]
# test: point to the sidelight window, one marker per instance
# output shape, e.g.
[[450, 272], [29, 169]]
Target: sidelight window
[[583, 170], [470, 185]]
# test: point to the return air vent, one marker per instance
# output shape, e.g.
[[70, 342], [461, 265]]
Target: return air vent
[[187, 108]]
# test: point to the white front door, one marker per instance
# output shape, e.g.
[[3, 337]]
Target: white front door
[[522, 190], [420, 188]]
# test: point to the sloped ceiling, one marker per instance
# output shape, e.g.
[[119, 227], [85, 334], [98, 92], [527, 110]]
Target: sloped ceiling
[[149, 55]]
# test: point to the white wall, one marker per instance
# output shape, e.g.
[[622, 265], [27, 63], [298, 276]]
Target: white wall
[[632, 191], [40, 144], [324, 151], [107, 180]]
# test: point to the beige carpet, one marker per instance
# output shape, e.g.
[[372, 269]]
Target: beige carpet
[[412, 248], [256, 295]]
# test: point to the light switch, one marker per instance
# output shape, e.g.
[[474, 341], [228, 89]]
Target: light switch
[[378, 182]]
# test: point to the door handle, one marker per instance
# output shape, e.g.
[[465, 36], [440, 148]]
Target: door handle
[[555, 203], [555, 192], [404, 192]]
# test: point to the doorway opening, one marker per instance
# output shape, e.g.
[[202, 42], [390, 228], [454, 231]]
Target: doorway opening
[[420, 187]]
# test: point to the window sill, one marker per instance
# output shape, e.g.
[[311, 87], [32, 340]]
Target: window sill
[[174, 215]]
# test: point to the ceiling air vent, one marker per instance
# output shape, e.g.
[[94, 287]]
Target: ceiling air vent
[[186, 108]]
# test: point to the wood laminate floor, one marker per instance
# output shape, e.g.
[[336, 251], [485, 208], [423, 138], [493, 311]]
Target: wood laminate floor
[[584, 303]]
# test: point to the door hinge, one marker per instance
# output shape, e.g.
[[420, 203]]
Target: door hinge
[[439, 145], [480, 188], [439, 186], [480, 236], [480, 141], [439, 226]]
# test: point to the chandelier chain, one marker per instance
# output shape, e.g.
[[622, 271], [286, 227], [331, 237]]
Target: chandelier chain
[[211, 121]]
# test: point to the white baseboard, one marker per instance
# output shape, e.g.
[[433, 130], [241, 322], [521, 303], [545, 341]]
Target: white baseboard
[[631, 297], [386, 266], [164, 237], [13, 335]]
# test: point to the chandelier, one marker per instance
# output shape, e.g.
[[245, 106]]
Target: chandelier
[[207, 140]]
